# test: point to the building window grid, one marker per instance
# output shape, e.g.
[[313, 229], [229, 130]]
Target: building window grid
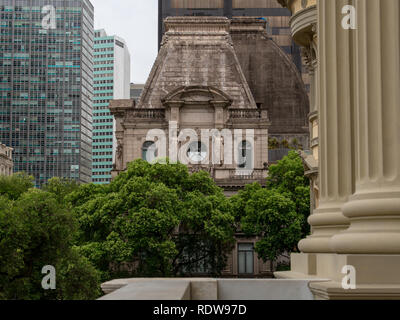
[[30, 129]]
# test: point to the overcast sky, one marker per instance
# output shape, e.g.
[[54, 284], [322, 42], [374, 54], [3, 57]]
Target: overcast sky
[[136, 22]]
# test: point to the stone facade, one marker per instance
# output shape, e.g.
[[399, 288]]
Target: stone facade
[[277, 19], [273, 79], [196, 83], [200, 81], [6, 162]]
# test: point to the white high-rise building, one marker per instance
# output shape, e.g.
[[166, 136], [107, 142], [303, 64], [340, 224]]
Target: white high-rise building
[[111, 81]]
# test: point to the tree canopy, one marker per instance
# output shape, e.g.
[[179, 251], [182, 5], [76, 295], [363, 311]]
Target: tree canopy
[[278, 213], [35, 231], [154, 219], [287, 177]]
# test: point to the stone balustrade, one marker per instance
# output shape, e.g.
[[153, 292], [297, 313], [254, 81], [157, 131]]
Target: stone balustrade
[[147, 114], [244, 114]]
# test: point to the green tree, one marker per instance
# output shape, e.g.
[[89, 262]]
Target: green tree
[[287, 177], [272, 216], [158, 219], [278, 213], [36, 230], [14, 186], [60, 188]]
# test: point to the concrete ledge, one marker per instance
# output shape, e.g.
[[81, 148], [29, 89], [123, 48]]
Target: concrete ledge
[[333, 291], [204, 289], [152, 290], [265, 289], [201, 288], [207, 289], [291, 275]]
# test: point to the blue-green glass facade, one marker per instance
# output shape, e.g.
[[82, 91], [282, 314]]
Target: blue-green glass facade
[[46, 87], [102, 118]]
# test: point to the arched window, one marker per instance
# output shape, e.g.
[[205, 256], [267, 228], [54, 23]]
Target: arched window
[[149, 151], [197, 152], [245, 155]]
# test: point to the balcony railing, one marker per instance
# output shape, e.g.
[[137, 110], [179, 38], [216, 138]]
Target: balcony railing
[[244, 114], [243, 174], [147, 114]]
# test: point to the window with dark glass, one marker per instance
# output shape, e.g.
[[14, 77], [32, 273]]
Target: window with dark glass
[[245, 258]]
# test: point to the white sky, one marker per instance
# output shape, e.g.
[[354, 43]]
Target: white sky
[[136, 21]]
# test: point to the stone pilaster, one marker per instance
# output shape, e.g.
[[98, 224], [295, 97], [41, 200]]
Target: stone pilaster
[[374, 209], [335, 154]]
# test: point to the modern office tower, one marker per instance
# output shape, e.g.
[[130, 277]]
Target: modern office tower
[[46, 87], [276, 16], [111, 81]]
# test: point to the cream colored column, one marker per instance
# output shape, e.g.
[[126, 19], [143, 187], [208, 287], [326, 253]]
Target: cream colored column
[[374, 210], [335, 159]]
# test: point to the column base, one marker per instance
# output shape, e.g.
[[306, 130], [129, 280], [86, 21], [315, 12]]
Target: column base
[[326, 221], [303, 266], [376, 277], [374, 224], [333, 291]]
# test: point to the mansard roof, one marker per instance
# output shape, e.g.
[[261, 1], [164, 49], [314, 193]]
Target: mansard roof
[[197, 52], [273, 78]]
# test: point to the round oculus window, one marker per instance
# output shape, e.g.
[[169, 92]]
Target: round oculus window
[[197, 152]]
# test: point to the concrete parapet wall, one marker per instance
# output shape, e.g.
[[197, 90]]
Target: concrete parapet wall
[[207, 289]]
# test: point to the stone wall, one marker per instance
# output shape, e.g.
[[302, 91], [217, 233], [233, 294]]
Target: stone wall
[[273, 79], [6, 162]]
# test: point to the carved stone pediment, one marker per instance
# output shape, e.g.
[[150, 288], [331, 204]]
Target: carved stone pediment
[[197, 94], [189, 97]]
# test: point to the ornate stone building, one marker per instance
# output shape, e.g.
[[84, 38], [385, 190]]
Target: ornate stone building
[[6, 162], [276, 17], [199, 85], [212, 73]]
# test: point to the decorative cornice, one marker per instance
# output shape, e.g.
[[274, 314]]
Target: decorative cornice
[[302, 24], [196, 25], [119, 107], [248, 25]]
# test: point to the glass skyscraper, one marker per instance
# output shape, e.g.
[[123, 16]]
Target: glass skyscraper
[[46, 86], [111, 81]]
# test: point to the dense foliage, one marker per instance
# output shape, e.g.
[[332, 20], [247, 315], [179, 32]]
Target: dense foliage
[[152, 220], [287, 177], [155, 220], [278, 213], [37, 230]]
